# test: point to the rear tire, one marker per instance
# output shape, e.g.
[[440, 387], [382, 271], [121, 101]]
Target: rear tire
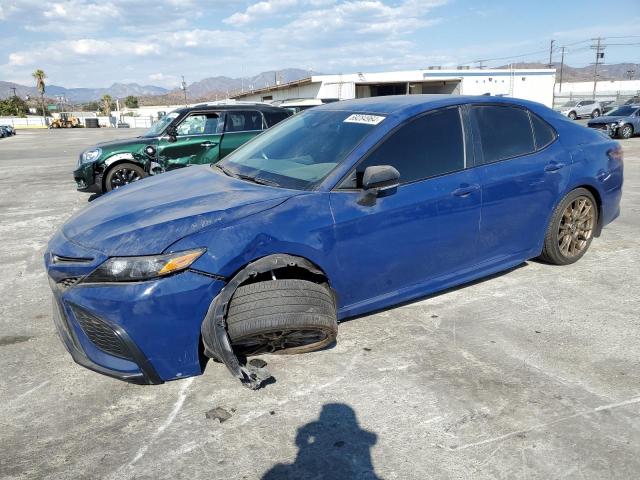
[[281, 316], [122, 174], [571, 228], [625, 131]]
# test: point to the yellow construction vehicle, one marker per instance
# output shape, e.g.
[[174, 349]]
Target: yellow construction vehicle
[[65, 120]]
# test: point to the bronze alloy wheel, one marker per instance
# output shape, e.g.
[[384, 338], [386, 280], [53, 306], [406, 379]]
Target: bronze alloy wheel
[[576, 226], [283, 341]]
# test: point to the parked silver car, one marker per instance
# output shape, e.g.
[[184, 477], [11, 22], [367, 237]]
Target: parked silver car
[[581, 108]]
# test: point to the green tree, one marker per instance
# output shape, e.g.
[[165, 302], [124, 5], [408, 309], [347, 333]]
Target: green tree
[[39, 75], [13, 106], [131, 101], [107, 103], [91, 107]]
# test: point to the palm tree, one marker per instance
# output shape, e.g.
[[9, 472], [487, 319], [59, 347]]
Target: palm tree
[[106, 105], [39, 75]]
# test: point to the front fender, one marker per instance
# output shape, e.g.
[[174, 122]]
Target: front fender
[[301, 226]]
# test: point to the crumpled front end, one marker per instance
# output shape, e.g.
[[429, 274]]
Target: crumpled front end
[[142, 332]]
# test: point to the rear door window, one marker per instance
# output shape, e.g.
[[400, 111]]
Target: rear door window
[[243, 121], [504, 131]]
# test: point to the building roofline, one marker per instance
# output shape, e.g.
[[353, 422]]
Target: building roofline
[[271, 88], [426, 74]]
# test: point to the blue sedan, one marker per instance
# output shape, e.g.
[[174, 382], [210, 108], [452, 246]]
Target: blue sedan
[[338, 211]]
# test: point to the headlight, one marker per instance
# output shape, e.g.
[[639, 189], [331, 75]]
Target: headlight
[[91, 155], [136, 269]]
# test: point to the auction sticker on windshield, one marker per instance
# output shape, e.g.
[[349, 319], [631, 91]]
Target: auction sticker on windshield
[[363, 118]]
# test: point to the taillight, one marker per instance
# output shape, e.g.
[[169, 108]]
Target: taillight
[[616, 153]]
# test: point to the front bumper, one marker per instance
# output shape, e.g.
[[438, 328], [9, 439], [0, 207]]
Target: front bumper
[[141, 332], [87, 179], [608, 129]]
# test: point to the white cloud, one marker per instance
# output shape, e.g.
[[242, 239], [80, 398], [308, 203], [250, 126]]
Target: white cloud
[[260, 9]]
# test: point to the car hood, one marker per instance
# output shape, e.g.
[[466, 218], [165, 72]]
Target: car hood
[[606, 119], [144, 218], [124, 142]]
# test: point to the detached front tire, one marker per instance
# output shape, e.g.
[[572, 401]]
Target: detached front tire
[[570, 231], [281, 316]]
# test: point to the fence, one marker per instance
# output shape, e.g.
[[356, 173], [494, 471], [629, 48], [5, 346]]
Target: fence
[[24, 122], [103, 121], [619, 96]]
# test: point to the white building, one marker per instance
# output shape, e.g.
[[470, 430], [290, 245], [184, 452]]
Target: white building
[[602, 87], [530, 84]]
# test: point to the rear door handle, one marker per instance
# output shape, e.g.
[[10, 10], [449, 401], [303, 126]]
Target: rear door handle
[[466, 190], [209, 144], [553, 167]]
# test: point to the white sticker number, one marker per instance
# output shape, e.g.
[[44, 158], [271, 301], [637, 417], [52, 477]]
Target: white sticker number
[[364, 118]]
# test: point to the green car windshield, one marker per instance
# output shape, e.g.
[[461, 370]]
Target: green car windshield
[[158, 127], [300, 152]]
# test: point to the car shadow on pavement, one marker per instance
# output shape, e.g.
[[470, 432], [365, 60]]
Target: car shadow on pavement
[[332, 447]]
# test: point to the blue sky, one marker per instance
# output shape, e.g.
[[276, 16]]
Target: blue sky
[[80, 43]]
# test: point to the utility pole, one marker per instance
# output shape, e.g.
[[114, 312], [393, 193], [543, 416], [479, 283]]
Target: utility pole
[[551, 53], [15, 96], [183, 87], [561, 67], [599, 48], [630, 74], [480, 63]]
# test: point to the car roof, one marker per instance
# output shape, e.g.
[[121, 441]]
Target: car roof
[[410, 104], [222, 107]]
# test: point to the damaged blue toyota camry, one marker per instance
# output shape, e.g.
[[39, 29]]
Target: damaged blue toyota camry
[[341, 210]]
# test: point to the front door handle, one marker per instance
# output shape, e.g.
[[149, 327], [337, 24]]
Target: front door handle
[[209, 144], [554, 167], [465, 190]]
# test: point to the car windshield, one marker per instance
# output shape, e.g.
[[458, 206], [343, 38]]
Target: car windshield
[[570, 104], [622, 112], [300, 152], [158, 127]]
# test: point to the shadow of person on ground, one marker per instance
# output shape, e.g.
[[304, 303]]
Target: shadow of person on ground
[[332, 447]]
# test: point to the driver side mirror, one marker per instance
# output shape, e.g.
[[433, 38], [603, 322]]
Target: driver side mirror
[[172, 134], [377, 181]]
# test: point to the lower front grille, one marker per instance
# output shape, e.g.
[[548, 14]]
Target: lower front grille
[[68, 282], [102, 335]]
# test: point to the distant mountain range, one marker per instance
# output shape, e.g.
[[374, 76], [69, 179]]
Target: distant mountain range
[[616, 71], [203, 89], [220, 86], [209, 88], [80, 95]]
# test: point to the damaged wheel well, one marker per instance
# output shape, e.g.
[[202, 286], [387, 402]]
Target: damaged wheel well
[[214, 329]]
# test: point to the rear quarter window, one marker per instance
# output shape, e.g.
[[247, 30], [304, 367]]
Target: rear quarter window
[[543, 132]]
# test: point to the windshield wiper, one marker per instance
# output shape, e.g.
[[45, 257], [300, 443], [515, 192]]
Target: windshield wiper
[[259, 181], [226, 171]]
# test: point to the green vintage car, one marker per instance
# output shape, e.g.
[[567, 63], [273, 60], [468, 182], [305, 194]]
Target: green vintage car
[[196, 135]]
